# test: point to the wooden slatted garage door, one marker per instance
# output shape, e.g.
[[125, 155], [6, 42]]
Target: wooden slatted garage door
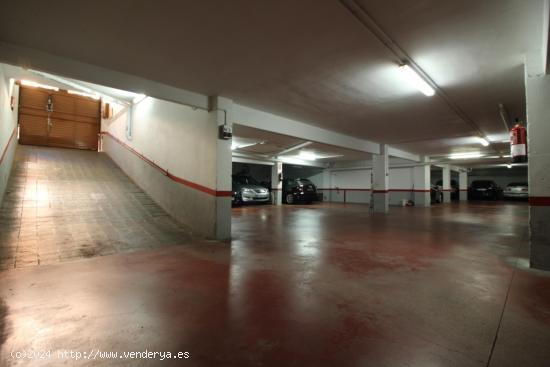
[[74, 121]]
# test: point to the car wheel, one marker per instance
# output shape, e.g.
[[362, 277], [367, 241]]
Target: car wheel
[[289, 199]]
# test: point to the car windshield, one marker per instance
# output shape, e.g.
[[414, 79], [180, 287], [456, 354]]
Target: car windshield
[[482, 183], [246, 180], [303, 181], [518, 184]]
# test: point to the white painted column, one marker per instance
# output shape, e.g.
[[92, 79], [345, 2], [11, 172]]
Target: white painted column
[[421, 177], [327, 185], [538, 133], [463, 185], [277, 183], [222, 113], [380, 189], [446, 172]]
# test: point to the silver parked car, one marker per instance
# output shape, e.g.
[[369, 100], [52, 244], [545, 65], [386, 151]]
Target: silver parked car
[[516, 190], [247, 190]]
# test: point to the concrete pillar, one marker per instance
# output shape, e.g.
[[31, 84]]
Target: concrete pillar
[[421, 176], [325, 184], [380, 184], [463, 185], [446, 172], [538, 132], [277, 183], [222, 113]]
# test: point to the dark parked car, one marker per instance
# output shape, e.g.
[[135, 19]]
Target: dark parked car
[[484, 189], [436, 194], [299, 190], [516, 190], [247, 190], [455, 193]]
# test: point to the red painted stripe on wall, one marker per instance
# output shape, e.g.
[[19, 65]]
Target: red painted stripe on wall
[[344, 189], [165, 172], [13, 134], [539, 200]]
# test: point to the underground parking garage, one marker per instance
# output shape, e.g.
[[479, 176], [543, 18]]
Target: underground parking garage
[[338, 183]]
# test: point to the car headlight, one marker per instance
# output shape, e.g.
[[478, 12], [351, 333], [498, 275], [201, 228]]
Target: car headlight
[[248, 191]]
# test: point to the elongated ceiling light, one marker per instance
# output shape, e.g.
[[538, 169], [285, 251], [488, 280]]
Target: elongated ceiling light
[[311, 156], [235, 146], [416, 80], [308, 156], [471, 155], [483, 141], [30, 83]]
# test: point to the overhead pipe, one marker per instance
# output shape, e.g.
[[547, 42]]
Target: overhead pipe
[[505, 116]]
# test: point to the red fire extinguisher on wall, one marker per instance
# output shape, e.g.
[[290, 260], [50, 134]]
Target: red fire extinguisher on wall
[[518, 143]]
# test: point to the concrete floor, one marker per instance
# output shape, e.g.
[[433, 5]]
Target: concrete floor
[[320, 285]]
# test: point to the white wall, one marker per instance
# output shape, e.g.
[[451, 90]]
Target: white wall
[[319, 180], [401, 178], [178, 139], [174, 136], [353, 179], [353, 185], [8, 123]]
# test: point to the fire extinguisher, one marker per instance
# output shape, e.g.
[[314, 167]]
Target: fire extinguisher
[[518, 143]]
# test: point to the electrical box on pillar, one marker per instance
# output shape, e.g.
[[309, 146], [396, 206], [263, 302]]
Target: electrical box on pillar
[[518, 143], [225, 132]]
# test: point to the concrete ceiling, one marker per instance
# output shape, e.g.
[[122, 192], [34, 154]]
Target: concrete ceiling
[[309, 60]]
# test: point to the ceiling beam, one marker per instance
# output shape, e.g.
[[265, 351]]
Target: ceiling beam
[[257, 119], [236, 159], [29, 58], [398, 153]]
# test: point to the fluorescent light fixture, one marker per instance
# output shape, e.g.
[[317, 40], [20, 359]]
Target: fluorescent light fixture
[[416, 80], [94, 96], [235, 146], [483, 141], [506, 156], [471, 155], [30, 83], [509, 165], [139, 98], [308, 156]]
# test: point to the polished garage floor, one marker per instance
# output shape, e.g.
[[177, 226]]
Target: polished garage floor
[[320, 285]]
